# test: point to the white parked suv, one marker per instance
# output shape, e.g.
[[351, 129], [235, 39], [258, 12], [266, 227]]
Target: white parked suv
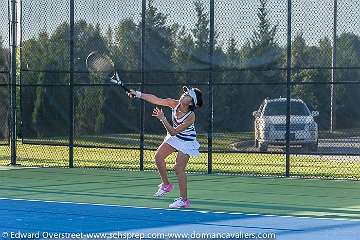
[[270, 124]]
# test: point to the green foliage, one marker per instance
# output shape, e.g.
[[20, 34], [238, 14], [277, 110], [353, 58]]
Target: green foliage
[[4, 92], [160, 41], [4, 54], [264, 36], [169, 47], [201, 31], [89, 115], [127, 47], [264, 51], [347, 96]]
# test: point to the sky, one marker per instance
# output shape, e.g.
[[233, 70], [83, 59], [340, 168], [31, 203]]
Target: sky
[[233, 18]]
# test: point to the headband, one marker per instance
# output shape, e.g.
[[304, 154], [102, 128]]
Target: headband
[[191, 93]]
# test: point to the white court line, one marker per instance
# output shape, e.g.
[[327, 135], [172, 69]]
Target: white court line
[[181, 210], [5, 168]]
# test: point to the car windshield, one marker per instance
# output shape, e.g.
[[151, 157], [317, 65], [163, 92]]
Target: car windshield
[[279, 108]]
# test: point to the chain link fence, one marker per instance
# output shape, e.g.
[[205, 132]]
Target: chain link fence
[[268, 109], [4, 83]]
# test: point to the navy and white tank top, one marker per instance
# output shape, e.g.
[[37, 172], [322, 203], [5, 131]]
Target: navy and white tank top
[[189, 134]]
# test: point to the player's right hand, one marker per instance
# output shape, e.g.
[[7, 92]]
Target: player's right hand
[[132, 93]]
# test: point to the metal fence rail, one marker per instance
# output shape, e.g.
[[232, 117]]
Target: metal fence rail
[[280, 82]]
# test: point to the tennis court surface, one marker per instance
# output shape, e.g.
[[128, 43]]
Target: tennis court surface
[[48, 203]]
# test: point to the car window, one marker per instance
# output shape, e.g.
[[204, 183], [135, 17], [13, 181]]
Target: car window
[[279, 108]]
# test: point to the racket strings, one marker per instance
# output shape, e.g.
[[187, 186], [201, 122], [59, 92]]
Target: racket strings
[[101, 64], [103, 67]]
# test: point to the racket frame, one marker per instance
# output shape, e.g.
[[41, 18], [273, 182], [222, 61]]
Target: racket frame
[[114, 76]]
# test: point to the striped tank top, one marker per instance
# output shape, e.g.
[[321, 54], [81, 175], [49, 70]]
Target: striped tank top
[[189, 134]]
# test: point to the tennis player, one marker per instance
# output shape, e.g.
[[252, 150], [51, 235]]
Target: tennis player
[[180, 138]]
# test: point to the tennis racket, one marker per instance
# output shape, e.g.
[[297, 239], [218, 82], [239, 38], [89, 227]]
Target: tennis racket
[[102, 66]]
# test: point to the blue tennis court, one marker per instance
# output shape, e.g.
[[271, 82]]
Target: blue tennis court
[[50, 219], [47, 203]]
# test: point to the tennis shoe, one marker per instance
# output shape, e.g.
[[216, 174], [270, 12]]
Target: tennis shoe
[[180, 203], [164, 189]]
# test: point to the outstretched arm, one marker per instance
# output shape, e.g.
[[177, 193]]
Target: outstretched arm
[[167, 102]]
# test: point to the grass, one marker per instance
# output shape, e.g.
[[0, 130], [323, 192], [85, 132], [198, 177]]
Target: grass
[[221, 141], [238, 163], [152, 141]]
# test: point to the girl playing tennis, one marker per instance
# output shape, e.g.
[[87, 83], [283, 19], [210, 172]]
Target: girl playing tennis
[[180, 138]]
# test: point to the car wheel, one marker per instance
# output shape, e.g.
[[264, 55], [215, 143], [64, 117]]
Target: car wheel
[[263, 147]]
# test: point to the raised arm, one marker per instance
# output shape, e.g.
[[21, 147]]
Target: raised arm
[[167, 102]]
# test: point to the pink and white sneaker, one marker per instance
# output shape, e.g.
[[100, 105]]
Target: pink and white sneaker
[[180, 203], [164, 189]]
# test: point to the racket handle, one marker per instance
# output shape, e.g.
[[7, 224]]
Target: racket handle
[[127, 90], [119, 82]]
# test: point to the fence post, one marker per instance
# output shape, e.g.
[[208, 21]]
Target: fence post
[[332, 90], [210, 87], [71, 87], [142, 103], [288, 91], [13, 82]]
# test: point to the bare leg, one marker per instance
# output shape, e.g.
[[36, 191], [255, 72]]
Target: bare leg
[[180, 167], [162, 153]]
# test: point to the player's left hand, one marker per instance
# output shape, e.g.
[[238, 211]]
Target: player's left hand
[[158, 113]]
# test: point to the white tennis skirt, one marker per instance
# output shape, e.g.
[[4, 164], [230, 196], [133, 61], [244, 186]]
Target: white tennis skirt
[[190, 148]]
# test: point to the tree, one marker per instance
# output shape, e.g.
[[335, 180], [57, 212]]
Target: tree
[[347, 96], [47, 108], [201, 36], [4, 93], [184, 51], [160, 41], [88, 38], [90, 100], [225, 107], [159, 50], [264, 51], [126, 50], [201, 33], [316, 96], [89, 117], [262, 56], [300, 58], [51, 105], [127, 47], [264, 36], [3, 58]]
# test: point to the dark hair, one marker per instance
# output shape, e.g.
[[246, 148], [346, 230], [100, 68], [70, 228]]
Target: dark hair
[[199, 99], [198, 94]]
